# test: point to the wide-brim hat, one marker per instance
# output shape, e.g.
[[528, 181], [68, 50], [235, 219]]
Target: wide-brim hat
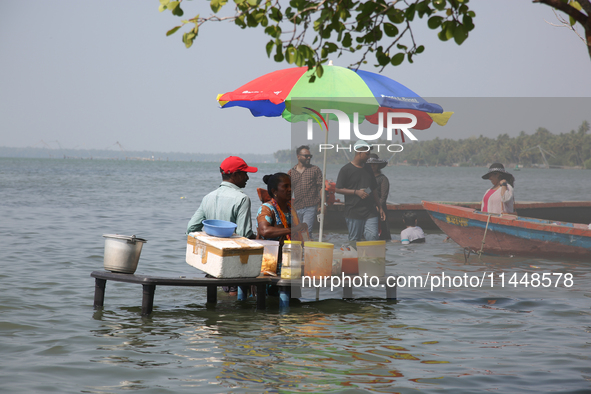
[[495, 167], [374, 159]]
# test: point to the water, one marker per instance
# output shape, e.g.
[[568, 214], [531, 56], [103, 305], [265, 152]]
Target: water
[[54, 212]]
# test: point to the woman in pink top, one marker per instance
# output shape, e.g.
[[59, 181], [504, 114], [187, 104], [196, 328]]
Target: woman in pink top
[[499, 198]]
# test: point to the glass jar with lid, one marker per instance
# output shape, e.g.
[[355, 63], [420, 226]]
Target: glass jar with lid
[[291, 265]]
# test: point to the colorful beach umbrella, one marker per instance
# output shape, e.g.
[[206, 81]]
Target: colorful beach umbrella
[[290, 94], [371, 95]]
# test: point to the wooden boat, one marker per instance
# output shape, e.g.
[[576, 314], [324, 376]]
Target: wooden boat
[[504, 234], [567, 211]]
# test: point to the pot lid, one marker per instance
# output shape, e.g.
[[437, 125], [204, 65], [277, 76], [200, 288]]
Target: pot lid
[[131, 238]]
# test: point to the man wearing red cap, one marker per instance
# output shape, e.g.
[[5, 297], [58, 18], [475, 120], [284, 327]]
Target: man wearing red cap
[[227, 202]]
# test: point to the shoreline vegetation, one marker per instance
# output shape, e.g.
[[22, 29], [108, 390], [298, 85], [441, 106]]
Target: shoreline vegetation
[[539, 150], [106, 154]]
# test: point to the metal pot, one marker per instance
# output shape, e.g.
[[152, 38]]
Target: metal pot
[[122, 253]]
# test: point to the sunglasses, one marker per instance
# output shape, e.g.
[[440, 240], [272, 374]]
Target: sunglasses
[[307, 156]]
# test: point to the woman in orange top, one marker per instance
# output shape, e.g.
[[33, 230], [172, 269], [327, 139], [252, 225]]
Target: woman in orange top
[[274, 218]]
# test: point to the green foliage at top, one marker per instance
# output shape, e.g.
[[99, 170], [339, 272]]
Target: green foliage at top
[[565, 149], [307, 33]]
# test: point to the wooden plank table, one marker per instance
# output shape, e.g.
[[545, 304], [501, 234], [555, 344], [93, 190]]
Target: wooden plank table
[[288, 288], [149, 284]]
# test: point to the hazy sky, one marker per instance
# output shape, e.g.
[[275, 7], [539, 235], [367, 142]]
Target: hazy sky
[[90, 73]]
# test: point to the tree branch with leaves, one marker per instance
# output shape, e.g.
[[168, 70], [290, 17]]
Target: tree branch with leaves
[[306, 32], [578, 11]]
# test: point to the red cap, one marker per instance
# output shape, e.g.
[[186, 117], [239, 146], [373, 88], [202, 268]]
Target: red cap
[[235, 164]]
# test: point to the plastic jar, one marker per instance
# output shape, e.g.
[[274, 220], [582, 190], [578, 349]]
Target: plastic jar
[[270, 255], [372, 258], [291, 264], [337, 262], [318, 259]]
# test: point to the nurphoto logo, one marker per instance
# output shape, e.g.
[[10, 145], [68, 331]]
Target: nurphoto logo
[[345, 129]]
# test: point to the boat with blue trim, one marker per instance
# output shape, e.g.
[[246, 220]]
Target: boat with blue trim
[[511, 235], [562, 211]]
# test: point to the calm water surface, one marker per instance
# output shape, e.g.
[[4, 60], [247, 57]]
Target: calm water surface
[[54, 212]]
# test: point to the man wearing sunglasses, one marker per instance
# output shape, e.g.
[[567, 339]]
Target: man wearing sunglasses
[[306, 183]]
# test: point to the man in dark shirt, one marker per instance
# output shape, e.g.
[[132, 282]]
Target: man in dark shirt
[[362, 208], [306, 183]]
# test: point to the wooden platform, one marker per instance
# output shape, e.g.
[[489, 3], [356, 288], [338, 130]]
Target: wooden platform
[[287, 288]]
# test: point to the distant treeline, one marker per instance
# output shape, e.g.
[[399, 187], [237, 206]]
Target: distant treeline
[[537, 150], [127, 155]]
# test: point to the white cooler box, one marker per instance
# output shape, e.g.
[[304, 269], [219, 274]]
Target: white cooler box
[[234, 257]]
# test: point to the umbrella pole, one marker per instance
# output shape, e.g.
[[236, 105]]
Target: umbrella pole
[[323, 195], [322, 202]]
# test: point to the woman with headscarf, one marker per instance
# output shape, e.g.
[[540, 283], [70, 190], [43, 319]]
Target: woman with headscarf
[[376, 164], [499, 198]]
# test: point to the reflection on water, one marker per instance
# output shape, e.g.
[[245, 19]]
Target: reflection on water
[[310, 349], [334, 345], [327, 345]]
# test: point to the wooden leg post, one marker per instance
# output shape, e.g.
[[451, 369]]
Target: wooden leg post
[[212, 294], [296, 290], [391, 292], [347, 290], [99, 292], [148, 299]]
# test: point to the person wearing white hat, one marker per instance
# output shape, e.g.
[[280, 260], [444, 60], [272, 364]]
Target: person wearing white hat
[[362, 206]]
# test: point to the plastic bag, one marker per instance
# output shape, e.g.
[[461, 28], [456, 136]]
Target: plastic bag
[[269, 264]]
